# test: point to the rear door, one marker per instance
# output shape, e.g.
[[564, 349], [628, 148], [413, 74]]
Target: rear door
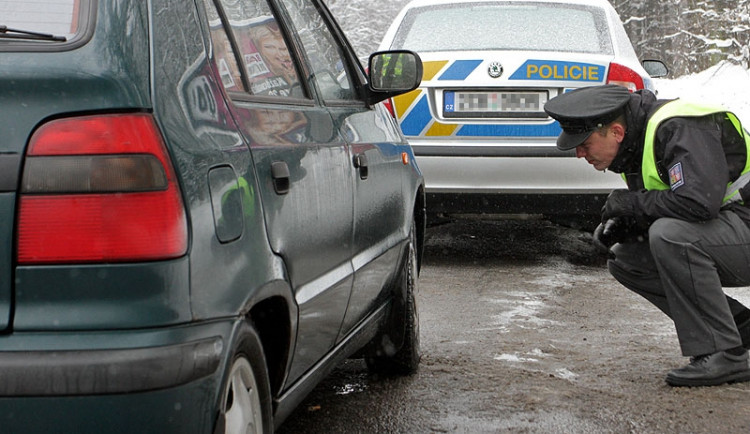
[[302, 164]]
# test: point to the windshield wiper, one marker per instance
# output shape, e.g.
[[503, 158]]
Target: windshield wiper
[[6, 32]]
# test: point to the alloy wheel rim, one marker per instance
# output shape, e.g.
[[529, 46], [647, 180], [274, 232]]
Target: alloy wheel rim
[[242, 408]]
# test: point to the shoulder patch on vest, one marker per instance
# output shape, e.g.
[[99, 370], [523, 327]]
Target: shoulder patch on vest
[[675, 176]]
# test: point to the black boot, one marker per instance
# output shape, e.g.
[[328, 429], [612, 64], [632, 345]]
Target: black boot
[[711, 370]]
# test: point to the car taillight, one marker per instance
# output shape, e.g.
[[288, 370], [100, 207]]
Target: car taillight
[[624, 76], [99, 189], [389, 105]]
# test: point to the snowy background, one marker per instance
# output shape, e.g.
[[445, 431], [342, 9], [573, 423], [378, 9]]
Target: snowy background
[[725, 83], [689, 35]]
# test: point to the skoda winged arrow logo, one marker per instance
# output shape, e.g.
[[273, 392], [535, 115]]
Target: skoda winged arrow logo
[[495, 70]]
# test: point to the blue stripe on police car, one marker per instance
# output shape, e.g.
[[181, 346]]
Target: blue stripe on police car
[[460, 69]]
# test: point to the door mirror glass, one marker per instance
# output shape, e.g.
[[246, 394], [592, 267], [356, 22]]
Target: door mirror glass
[[655, 68], [398, 71]]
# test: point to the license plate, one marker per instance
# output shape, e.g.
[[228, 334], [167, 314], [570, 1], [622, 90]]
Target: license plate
[[494, 104]]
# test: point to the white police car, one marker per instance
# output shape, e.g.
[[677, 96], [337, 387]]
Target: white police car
[[477, 123]]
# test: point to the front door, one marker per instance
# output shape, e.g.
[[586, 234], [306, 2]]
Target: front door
[[376, 146]]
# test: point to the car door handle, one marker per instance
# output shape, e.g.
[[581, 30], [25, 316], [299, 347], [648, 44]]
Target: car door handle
[[280, 175], [360, 162]]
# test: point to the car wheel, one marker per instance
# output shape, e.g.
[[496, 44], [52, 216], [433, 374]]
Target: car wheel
[[384, 357], [246, 397]]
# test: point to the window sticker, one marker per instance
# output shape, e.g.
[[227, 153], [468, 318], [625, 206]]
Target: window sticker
[[255, 65], [267, 59], [226, 74]]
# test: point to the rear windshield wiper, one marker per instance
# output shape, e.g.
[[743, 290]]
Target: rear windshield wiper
[[6, 32]]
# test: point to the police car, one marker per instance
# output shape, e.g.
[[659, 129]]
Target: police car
[[477, 123]]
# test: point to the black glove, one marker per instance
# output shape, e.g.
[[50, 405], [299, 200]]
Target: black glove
[[618, 230], [620, 203], [601, 242]]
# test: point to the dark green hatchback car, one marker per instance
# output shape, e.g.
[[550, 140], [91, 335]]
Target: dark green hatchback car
[[204, 209]]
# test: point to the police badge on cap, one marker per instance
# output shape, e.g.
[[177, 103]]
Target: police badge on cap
[[583, 111]]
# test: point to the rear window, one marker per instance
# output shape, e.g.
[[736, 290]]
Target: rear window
[[28, 20], [505, 26]]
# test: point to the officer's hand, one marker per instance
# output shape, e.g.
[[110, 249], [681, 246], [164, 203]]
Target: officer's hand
[[618, 230], [601, 242], [607, 234], [620, 203]]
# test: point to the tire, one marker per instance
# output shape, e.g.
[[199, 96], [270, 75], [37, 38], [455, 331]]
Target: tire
[[383, 357], [246, 395]]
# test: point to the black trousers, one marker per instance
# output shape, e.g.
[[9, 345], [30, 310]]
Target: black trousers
[[682, 268]]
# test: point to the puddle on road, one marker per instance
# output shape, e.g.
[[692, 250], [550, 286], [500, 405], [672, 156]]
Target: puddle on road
[[514, 358], [347, 389], [533, 359], [532, 356], [523, 313], [565, 374]]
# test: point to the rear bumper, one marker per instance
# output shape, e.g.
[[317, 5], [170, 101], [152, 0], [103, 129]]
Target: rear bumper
[[509, 176], [95, 372], [504, 166], [117, 362], [187, 409], [514, 175], [163, 381]]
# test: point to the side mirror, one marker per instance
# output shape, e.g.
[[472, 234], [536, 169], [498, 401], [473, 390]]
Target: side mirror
[[655, 68], [392, 73]]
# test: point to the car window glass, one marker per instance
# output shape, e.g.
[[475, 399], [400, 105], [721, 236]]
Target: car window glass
[[504, 26], [324, 54], [57, 17], [225, 57], [263, 52]]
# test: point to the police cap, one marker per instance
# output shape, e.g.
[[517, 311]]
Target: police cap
[[583, 111]]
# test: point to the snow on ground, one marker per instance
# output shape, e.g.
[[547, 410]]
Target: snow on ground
[[724, 83]]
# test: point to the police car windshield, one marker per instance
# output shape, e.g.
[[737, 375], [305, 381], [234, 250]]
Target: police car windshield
[[506, 26]]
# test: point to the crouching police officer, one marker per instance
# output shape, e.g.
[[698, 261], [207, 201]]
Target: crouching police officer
[[680, 231]]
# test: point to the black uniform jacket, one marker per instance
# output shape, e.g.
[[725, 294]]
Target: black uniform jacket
[[707, 151]]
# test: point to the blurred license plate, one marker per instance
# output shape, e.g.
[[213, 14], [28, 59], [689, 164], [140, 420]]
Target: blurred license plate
[[492, 104]]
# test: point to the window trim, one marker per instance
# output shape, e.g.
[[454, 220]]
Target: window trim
[[347, 54], [351, 57], [269, 99]]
